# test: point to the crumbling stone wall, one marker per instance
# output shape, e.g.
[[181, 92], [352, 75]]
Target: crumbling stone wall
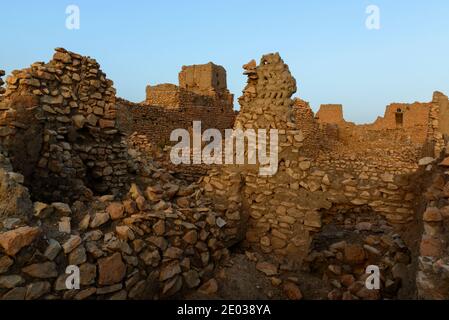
[[157, 243], [442, 101], [59, 128], [318, 136], [432, 277], [2, 90], [437, 126], [269, 203], [362, 167], [202, 95], [163, 95], [158, 239], [157, 123]]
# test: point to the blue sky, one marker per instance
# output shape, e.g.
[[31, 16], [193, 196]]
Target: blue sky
[[331, 53]]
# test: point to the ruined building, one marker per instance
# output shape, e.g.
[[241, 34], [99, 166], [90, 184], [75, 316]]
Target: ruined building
[[202, 95], [59, 129], [371, 170], [74, 193], [79, 185]]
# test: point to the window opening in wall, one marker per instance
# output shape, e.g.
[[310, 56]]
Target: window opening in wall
[[399, 118]]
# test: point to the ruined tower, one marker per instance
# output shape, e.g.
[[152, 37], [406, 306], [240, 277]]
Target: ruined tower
[[203, 79]]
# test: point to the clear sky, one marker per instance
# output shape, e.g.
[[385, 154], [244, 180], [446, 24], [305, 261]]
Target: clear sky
[[331, 53]]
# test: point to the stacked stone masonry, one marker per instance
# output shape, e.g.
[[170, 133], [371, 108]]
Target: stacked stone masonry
[[343, 167], [432, 278], [97, 201], [64, 113], [202, 95], [84, 181]]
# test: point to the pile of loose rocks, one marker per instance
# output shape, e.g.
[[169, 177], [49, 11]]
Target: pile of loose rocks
[[345, 248]]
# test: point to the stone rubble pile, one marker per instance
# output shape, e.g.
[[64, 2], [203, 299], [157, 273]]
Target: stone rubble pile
[[344, 249], [161, 156], [155, 243]]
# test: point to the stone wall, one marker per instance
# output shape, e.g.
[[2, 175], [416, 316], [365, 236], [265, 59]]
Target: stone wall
[[432, 278], [356, 167], [442, 101], [201, 96], [156, 239], [163, 95], [159, 241], [318, 136], [60, 131], [157, 122]]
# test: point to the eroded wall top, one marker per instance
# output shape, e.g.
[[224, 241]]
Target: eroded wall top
[[266, 101]]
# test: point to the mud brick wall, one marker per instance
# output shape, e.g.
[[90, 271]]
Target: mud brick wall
[[416, 114], [420, 121], [157, 123], [60, 130]]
